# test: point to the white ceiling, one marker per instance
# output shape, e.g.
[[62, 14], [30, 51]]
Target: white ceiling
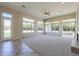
[[37, 9]]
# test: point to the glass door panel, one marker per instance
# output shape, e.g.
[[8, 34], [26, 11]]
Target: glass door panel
[[7, 29]]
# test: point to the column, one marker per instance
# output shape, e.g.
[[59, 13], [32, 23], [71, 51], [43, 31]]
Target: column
[[60, 28], [17, 26], [44, 31], [75, 34], [1, 26], [35, 26], [76, 24]]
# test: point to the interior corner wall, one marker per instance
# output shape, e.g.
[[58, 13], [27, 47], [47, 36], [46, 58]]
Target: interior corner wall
[[17, 26], [0, 26]]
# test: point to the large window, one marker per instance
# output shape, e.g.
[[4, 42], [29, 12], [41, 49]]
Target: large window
[[40, 27], [55, 26], [28, 25], [69, 25], [7, 15], [68, 28]]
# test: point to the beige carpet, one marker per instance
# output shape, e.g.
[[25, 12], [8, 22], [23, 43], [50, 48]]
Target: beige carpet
[[49, 45]]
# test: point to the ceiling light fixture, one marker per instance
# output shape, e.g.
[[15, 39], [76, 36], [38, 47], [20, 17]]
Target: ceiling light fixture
[[47, 13], [23, 6]]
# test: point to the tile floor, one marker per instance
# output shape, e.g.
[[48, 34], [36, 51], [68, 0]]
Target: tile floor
[[16, 48]]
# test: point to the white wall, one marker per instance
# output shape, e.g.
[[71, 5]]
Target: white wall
[[0, 26], [17, 26]]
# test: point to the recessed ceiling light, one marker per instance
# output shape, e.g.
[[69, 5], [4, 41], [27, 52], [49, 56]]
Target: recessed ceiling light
[[62, 2]]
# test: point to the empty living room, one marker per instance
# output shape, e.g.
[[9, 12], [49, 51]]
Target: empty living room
[[39, 28]]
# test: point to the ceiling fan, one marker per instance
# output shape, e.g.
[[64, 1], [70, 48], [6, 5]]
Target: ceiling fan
[[47, 13]]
